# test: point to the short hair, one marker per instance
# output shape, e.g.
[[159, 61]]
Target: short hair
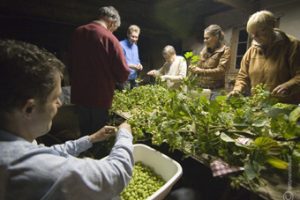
[[261, 19], [110, 13], [26, 71], [133, 28], [170, 50], [215, 30]]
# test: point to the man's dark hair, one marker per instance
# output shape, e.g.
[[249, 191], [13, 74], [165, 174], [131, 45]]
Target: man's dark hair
[[26, 71]]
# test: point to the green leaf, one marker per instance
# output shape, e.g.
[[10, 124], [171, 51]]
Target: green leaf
[[250, 172], [188, 55], [277, 163], [265, 143], [260, 123], [294, 115], [226, 138]]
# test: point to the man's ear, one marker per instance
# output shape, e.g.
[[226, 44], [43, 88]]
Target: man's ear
[[29, 106]]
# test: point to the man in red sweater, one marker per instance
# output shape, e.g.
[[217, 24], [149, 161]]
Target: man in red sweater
[[96, 64]]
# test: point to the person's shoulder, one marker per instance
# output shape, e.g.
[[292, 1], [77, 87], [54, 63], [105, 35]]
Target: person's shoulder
[[123, 42], [292, 38], [85, 26], [180, 57], [227, 48]]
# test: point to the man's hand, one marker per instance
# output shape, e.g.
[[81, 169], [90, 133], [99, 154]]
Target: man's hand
[[139, 67], [136, 67], [102, 134]]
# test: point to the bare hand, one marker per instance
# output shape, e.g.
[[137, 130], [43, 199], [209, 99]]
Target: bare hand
[[151, 73], [233, 93], [280, 90], [102, 134], [139, 67], [192, 66]]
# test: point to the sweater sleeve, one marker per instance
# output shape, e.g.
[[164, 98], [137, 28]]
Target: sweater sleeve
[[120, 68], [242, 80], [294, 63]]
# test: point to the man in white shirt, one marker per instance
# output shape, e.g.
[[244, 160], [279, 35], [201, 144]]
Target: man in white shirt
[[173, 70]]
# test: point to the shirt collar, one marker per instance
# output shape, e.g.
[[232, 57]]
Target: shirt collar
[[218, 50], [6, 136]]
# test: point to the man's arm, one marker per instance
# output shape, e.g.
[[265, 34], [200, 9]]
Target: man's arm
[[75, 147]]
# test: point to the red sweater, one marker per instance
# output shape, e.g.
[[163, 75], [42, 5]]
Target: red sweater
[[97, 62]]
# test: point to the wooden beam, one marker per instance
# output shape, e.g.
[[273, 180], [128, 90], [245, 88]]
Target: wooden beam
[[246, 6]]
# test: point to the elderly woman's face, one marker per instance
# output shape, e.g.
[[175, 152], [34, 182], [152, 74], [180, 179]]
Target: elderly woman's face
[[262, 35], [210, 40], [168, 56]]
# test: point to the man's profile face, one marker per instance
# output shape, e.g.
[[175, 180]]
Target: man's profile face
[[44, 113]]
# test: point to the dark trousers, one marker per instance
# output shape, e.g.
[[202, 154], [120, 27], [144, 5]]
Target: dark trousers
[[91, 119], [132, 83], [127, 85]]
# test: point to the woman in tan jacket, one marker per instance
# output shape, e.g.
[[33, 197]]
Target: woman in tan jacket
[[214, 60], [272, 60]]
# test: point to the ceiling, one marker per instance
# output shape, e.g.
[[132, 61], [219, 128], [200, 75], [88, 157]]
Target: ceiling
[[156, 17], [50, 22]]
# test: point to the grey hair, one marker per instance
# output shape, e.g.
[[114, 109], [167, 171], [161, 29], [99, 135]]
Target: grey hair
[[133, 28], [169, 50], [263, 19], [111, 14]]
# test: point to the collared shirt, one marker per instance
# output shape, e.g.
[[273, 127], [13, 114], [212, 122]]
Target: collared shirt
[[276, 65], [29, 171], [131, 52]]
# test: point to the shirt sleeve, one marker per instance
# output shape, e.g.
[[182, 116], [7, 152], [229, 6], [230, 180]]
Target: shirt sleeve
[[105, 178], [242, 80], [294, 63], [44, 174], [74, 147], [119, 68], [161, 71]]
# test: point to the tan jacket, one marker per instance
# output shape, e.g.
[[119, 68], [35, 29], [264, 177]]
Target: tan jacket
[[279, 64], [215, 65]]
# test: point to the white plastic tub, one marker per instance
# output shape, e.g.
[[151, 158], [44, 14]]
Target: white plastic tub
[[169, 169]]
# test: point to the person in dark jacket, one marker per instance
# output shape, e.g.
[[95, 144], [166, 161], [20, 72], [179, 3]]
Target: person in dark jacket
[[97, 63]]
